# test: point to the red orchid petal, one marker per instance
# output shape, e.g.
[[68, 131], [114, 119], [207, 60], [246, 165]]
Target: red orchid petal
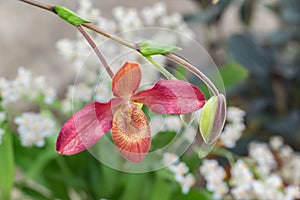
[[85, 128], [131, 133], [171, 97], [127, 80]]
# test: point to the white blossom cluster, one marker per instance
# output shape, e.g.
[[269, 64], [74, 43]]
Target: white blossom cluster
[[181, 172], [2, 118], [33, 128], [258, 176], [265, 161], [235, 127], [214, 175], [25, 85]]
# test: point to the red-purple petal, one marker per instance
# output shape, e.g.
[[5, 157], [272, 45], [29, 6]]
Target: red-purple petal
[[85, 128], [131, 132], [171, 97], [127, 80]]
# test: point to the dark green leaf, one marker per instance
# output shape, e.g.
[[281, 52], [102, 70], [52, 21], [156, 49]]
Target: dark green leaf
[[246, 52]]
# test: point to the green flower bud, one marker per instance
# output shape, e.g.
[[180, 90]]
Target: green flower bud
[[69, 16], [212, 118], [153, 47]]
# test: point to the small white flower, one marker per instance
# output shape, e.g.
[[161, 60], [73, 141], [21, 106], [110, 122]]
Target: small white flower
[[169, 158], [179, 170], [276, 142], [213, 173], [33, 128], [262, 155], [285, 152], [233, 131], [220, 191], [240, 174], [186, 183], [235, 114], [241, 192], [24, 86], [292, 192]]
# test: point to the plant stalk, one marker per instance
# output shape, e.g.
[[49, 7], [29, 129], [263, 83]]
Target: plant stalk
[[96, 49]]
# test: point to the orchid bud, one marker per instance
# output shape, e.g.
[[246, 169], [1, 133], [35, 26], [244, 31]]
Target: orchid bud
[[212, 118], [153, 47]]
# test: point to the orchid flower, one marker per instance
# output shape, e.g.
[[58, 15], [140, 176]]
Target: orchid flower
[[130, 128]]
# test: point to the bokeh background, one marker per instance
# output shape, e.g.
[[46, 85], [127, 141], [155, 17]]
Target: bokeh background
[[254, 43]]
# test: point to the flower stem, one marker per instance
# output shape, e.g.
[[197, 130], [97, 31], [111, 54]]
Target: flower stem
[[96, 49], [40, 5], [193, 69], [163, 70], [121, 41], [108, 35]]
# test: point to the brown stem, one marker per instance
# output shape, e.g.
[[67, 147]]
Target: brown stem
[[193, 69], [40, 5], [96, 49], [108, 35]]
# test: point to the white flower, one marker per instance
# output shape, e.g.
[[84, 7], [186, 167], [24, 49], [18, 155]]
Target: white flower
[[220, 191], [276, 142], [285, 152], [169, 158], [241, 192], [214, 175], [235, 114], [241, 174], [34, 128], [292, 192], [24, 86], [262, 155], [179, 170], [290, 170], [233, 131], [187, 182]]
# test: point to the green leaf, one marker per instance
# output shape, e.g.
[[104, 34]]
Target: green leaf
[[212, 118], [7, 164], [232, 74], [153, 47], [161, 189], [69, 16], [194, 194]]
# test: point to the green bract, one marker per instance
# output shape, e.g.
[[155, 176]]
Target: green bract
[[69, 16], [212, 118], [153, 47]]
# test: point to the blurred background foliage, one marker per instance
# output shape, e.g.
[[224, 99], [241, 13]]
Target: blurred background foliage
[[261, 74], [268, 64]]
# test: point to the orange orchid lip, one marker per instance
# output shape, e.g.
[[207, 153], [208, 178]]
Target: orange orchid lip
[[130, 127]]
